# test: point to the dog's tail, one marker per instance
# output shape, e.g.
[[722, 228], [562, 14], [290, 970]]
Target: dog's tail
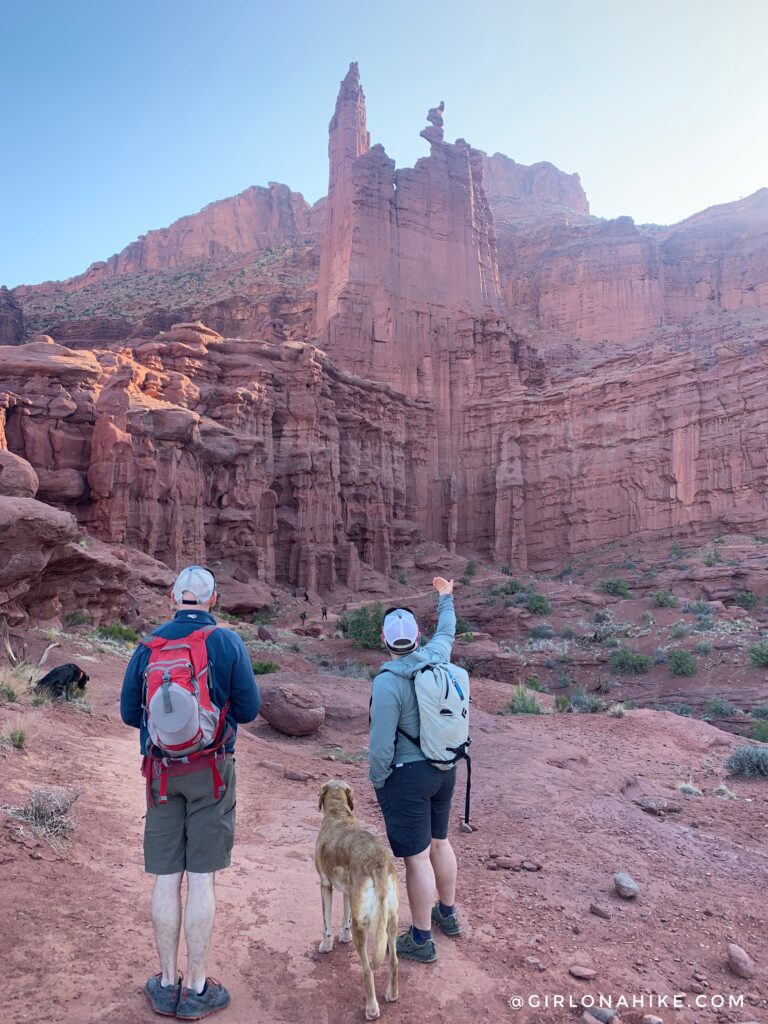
[[379, 920]]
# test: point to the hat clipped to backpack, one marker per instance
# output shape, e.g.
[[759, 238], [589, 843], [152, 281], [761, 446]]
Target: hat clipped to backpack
[[400, 630]]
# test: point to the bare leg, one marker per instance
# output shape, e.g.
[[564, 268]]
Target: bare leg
[[345, 935], [166, 921], [391, 994], [326, 895], [420, 885], [443, 861], [360, 937], [198, 925]]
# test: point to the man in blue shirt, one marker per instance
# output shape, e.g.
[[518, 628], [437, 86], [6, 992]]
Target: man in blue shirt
[[414, 796], [190, 823]]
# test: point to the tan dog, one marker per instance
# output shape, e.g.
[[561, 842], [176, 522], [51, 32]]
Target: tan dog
[[350, 859]]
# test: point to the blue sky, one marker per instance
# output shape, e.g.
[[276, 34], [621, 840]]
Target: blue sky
[[119, 117]]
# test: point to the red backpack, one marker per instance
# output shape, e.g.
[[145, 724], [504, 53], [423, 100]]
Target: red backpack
[[183, 722]]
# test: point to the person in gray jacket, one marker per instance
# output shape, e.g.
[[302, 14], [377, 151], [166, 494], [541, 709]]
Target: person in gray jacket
[[414, 796]]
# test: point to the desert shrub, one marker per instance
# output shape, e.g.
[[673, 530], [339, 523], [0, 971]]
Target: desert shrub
[[534, 683], [18, 738], [746, 599], [616, 710], [350, 669], [78, 618], [748, 761], [363, 625], [586, 703], [627, 662], [601, 618], [467, 661], [511, 587], [616, 587], [758, 654], [565, 659], [688, 788], [8, 694], [648, 619], [118, 632], [567, 633], [704, 625], [683, 710], [723, 792], [698, 608], [675, 551], [610, 641], [541, 631], [505, 570], [264, 616], [664, 599], [463, 625], [537, 604], [564, 681], [681, 663], [703, 647], [659, 656], [760, 711], [402, 578], [714, 557], [489, 600], [470, 568], [759, 731], [718, 707], [604, 686], [263, 668], [562, 703], [522, 703], [47, 812], [468, 638]]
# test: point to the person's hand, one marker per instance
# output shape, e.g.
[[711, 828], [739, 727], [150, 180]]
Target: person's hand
[[442, 586]]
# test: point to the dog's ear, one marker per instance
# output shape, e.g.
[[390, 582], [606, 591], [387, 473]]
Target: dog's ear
[[323, 791], [350, 795]]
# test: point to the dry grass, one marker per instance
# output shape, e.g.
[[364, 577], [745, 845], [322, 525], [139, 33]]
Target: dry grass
[[47, 813], [17, 681]]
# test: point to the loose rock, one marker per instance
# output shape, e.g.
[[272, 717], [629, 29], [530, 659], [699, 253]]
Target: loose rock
[[739, 961], [600, 911], [626, 886], [293, 710], [579, 971]]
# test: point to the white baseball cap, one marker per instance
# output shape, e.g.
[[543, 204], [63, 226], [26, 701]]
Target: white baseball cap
[[194, 580], [400, 630]]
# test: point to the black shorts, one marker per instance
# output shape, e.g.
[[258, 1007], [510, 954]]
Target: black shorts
[[416, 804]]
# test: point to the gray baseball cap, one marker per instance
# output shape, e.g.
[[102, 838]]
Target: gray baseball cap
[[194, 580], [401, 630]]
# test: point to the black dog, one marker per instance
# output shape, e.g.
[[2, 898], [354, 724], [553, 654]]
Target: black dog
[[65, 681]]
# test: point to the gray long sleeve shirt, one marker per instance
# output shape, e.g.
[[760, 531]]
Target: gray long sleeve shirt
[[393, 699]]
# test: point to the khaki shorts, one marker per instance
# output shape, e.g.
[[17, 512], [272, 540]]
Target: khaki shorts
[[192, 831]]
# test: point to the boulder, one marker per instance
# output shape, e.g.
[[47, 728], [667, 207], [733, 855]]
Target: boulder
[[265, 633], [293, 710], [17, 477]]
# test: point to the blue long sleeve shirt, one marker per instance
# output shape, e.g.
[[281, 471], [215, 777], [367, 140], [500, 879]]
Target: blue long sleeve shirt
[[393, 699], [230, 676]]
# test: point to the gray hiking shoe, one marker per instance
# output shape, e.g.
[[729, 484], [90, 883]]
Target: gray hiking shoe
[[195, 1006], [409, 949], [164, 998], [449, 924]]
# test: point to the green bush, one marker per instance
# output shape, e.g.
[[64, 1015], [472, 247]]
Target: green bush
[[468, 638], [463, 625], [760, 711], [748, 761], [746, 599], [714, 558], [627, 662], [567, 633], [757, 731], [534, 683], [263, 668], [541, 631], [464, 580], [8, 694], [18, 738], [616, 587], [704, 624], [703, 647], [683, 710], [718, 707], [698, 608], [522, 703], [562, 703], [363, 625], [470, 568], [664, 599], [564, 681], [505, 570], [681, 663], [117, 631], [676, 551], [264, 616], [537, 604], [758, 654], [402, 578], [78, 618]]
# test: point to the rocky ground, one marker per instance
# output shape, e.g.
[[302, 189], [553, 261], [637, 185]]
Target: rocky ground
[[577, 797]]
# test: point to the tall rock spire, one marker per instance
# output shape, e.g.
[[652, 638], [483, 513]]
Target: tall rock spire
[[348, 139]]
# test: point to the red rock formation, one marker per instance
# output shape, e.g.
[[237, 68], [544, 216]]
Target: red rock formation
[[11, 319], [520, 194]]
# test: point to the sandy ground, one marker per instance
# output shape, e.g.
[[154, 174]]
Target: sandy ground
[[76, 938]]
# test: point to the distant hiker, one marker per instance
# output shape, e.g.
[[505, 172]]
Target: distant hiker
[[186, 687], [405, 744], [303, 617], [324, 612], [306, 595]]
